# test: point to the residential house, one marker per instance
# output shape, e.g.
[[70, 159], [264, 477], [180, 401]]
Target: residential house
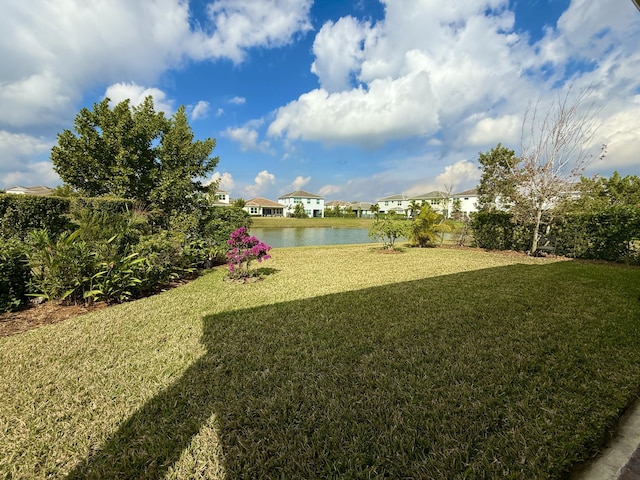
[[313, 204], [263, 207], [221, 198], [39, 190], [468, 201], [394, 203], [439, 201], [362, 209]]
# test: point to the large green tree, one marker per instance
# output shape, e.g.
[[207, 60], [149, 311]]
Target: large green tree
[[497, 184], [134, 152]]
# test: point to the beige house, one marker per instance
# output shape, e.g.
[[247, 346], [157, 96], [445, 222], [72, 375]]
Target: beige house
[[263, 207]]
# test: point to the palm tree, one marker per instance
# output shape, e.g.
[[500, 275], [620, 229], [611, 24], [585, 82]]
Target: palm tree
[[375, 209], [425, 228], [414, 207]]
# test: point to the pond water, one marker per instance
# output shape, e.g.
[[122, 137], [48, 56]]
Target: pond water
[[303, 237]]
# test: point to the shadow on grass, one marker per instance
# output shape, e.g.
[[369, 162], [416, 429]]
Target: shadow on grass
[[499, 372]]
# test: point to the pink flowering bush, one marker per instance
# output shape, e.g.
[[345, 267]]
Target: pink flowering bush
[[243, 249]]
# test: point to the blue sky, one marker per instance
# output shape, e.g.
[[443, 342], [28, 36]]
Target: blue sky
[[354, 100]]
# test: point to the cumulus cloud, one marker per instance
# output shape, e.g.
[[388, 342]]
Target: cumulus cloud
[[387, 110], [54, 51], [298, 183], [119, 92], [262, 182], [238, 100], [247, 137], [241, 24], [338, 52], [200, 110], [491, 131], [225, 181]]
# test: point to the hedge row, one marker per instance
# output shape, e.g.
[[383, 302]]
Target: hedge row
[[612, 234], [20, 214]]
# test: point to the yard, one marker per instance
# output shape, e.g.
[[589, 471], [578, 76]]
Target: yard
[[342, 363]]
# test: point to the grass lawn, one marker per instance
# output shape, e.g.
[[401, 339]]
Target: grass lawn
[[343, 363], [335, 222]]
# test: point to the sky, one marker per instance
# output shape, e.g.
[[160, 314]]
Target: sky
[[350, 99]]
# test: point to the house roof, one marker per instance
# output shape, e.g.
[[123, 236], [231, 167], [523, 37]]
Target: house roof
[[300, 193], [433, 194], [467, 193], [262, 202], [360, 205], [400, 196]]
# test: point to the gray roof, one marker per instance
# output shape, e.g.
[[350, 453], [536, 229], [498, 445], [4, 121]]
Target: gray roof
[[300, 193]]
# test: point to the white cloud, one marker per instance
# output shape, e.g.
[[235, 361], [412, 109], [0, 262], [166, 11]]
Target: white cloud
[[238, 100], [491, 131], [338, 52], [52, 52], [200, 110], [225, 180], [262, 182], [22, 162], [329, 190], [298, 183], [387, 110], [119, 92], [247, 137], [241, 24]]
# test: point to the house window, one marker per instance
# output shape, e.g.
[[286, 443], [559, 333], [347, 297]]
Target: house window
[[386, 204], [297, 200], [253, 210], [466, 198], [317, 202], [308, 200]]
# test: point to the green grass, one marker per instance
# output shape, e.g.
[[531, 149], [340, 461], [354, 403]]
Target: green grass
[[343, 363], [286, 222]]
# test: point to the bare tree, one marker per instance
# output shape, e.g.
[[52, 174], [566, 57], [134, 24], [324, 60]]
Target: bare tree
[[556, 149]]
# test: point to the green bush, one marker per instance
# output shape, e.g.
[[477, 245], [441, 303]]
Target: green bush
[[61, 268], [163, 260], [15, 275], [497, 230], [19, 214], [610, 234]]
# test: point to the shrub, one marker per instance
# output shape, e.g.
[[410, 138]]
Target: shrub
[[243, 250], [62, 268], [15, 275], [389, 229], [20, 214]]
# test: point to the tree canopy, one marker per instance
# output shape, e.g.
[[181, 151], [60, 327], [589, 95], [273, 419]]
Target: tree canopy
[[134, 152]]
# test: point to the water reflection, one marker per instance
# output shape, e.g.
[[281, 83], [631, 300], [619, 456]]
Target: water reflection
[[302, 237]]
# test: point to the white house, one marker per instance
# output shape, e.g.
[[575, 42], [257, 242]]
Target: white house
[[313, 204], [394, 203], [263, 207], [468, 201], [439, 201]]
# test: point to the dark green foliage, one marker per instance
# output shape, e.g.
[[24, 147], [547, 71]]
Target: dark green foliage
[[497, 180], [496, 230], [61, 268], [136, 153], [163, 260], [298, 211], [15, 275], [20, 214], [610, 234]]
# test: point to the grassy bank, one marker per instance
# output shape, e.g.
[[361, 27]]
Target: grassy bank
[[285, 222], [342, 363]]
